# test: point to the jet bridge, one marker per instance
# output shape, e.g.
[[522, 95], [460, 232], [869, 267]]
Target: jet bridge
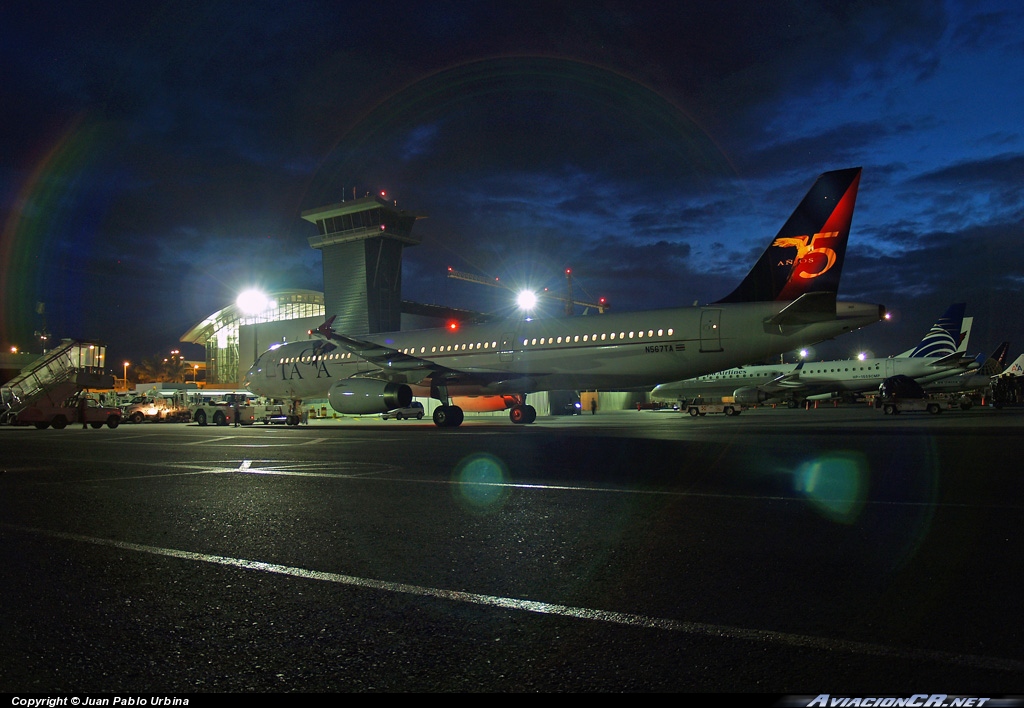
[[60, 373]]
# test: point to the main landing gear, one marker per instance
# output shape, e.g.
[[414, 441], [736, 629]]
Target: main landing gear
[[521, 414], [447, 415]]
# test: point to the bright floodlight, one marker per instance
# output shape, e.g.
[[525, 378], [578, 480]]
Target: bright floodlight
[[252, 301], [526, 300]]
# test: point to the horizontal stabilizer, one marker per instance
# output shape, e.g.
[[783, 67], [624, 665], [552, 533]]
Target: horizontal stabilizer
[[808, 308], [954, 359]]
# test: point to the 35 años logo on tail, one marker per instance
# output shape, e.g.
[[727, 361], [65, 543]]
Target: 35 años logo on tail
[[813, 255]]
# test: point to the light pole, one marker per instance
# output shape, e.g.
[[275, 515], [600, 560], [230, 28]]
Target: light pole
[[125, 378]]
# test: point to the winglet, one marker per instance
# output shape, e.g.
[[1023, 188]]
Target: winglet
[[325, 329], [807, 254]]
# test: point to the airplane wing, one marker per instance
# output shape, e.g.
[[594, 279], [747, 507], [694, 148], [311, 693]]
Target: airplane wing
[[399, 367], [788, 382]]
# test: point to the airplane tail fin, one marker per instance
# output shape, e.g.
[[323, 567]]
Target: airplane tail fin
[[1001, 354], [996, 363], [1016, 368], [807, 254], [945, 336]]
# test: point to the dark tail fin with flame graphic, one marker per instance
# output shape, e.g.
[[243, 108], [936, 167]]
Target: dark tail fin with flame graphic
[[807, 255]]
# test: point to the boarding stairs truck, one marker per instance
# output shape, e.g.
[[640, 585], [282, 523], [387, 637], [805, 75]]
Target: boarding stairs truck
[[41, 392]]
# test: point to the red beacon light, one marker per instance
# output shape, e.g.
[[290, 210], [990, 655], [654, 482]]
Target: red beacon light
[[453, 325]]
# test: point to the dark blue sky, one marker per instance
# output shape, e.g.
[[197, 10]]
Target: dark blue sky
[[156, 156]]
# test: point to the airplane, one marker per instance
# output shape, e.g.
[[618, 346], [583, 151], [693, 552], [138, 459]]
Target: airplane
[[939, 354], [977, 379], [1016, 368], [788, 299]]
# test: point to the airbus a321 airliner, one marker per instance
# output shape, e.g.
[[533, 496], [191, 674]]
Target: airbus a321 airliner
[[787, 300]]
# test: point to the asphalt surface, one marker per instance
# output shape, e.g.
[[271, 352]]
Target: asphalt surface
[[783, 552]]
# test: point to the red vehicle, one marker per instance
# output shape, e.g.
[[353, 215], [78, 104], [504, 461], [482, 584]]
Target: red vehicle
[[43, 415]]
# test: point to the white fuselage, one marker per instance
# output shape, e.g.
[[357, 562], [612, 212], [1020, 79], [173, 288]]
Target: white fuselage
[[622, 351], [815, 378]]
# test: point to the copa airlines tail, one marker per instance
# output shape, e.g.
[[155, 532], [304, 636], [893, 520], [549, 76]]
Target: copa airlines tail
[[949, 334], [788, 300]]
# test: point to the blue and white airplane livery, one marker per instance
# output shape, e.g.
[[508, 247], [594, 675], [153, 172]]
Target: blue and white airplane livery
[[940, 354]]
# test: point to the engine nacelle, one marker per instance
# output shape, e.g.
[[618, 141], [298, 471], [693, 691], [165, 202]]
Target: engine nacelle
[[749, 396], [360, 396]]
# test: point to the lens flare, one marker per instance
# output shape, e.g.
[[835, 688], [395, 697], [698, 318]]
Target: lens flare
[[835, 484], [481, 482]]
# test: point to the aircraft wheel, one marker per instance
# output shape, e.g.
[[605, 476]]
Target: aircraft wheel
[[201, 417], [137, 417], [59, 422], [448, 416]]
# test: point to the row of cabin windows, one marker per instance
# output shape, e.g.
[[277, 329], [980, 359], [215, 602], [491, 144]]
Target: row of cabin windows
[[604, 336], [323, 357], [876, 367], [610, 336]]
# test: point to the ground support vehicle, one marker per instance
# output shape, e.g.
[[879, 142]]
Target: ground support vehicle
[[72, 411], [700, 407], [155, 408], [268, 413], [221, 410], [901, 394]]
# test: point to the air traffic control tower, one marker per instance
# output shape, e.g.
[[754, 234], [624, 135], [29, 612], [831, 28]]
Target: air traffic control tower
[[361, 243]]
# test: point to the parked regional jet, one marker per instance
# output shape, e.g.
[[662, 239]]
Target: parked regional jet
[[939, 354], [787, 300], [978, 378]]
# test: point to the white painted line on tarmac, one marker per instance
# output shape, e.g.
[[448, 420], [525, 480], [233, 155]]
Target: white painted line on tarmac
[[582, 613]]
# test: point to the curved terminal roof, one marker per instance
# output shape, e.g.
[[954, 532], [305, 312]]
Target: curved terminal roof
[[285, 305]]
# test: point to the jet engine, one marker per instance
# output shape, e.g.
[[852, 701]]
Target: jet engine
[[750, 396], [359, 396]]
